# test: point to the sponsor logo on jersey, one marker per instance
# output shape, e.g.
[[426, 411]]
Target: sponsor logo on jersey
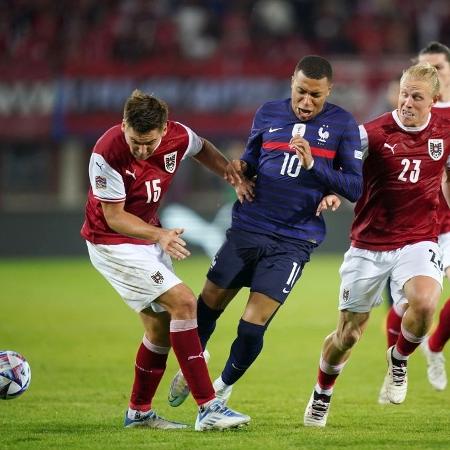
[[390, 147], [132, 174], [436, 148], [170, 162], [157, 277], [100, 182], [358, 154], [200, 355], [324, 134], [299, 128], [271, 130]]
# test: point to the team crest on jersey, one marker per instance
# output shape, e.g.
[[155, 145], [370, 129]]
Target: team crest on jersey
[[323, 133], [170, 162], [345, 295], [299, 128], [100, 182], [157, 277], [436, 148]]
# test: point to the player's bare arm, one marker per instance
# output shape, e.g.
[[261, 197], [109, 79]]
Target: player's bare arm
[[128, 224], [211, 157], [303, 150], [330, 201]]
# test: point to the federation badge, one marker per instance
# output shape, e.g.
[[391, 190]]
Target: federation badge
[[436, 148], [100, 182], [345, 295], [170, 162], [157, 277], [299, 128]]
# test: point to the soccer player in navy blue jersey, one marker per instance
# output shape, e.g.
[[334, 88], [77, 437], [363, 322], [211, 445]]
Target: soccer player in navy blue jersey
[[301, 151]]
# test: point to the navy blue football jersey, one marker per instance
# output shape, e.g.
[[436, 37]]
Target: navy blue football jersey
[[287, 195]]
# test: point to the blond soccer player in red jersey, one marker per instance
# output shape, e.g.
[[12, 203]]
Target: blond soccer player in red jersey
[[394, 235], [438, 55]]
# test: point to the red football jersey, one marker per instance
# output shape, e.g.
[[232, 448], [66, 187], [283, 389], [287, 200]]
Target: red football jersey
[[116, 176], [402, 177], [443, 109]]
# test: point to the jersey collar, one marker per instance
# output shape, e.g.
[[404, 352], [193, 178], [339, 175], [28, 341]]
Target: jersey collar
[[410, 129]]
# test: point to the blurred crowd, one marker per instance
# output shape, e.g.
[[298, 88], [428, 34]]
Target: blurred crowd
[[81, 32]]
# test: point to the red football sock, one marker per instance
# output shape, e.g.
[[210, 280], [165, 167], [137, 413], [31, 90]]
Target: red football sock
[[442, 333], [393, 326], [407, 342], [148, 371], [325, 380], [328, 373], [189, 353]]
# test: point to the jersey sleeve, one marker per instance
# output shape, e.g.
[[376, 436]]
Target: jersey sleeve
[[195, 143], [364, 137], [345, 178], [253, 148], [107, 184]]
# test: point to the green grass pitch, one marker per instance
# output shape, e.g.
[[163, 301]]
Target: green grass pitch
[[80, 340]]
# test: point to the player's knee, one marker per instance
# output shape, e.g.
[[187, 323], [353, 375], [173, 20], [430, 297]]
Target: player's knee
[[184, 307], [423, 304]]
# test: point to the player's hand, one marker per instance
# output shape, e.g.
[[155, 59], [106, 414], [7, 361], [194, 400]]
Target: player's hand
[[329, 201], [245, 190], [172, 244], [303, 150], [234, 172]]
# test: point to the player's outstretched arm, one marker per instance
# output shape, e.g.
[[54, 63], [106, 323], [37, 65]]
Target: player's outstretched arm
[[211, 157], [128, 224]]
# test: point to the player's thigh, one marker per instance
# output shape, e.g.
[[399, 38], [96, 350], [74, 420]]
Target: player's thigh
[[363, 277], [234, 264], [139, 273], [422, 259], [279, 268]]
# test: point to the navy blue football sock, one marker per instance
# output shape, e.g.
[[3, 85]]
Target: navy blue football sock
[[206, 320], [245, 349]]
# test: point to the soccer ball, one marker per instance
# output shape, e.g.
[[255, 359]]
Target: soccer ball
[[15, 374]]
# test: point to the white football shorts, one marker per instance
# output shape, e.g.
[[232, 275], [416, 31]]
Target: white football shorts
[[139, 273], [444, 244], [364, 273]]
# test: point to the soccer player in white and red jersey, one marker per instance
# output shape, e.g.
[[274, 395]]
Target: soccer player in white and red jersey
[[438, 55], [394, 234], [131, 168]]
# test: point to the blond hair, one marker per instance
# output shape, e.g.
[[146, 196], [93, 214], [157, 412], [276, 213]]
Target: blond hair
[[423, 72]]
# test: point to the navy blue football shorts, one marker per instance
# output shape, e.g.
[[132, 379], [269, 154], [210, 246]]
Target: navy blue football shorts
[[261, 262]]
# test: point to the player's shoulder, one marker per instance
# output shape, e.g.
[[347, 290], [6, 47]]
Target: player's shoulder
[[441, 109], [380, 122], [110, 141], [177, 137], [176, 129], [337, 114], [274, 107]]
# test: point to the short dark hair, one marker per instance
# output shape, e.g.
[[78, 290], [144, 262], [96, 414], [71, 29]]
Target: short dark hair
[[144, 112], [315, 67], [435, 47]]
